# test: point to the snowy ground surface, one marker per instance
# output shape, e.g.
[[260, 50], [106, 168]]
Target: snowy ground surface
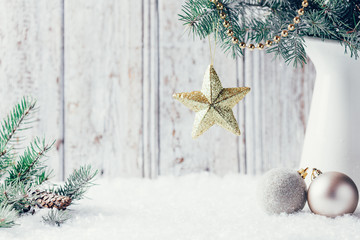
[[196, 207]]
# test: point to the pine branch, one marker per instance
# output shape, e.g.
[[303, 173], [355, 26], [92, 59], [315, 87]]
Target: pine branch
[[7, 216], [6, 161], [257, 22], [352, 44], [30, 168], [16, 196], [13, 123], [78, 183], [56, 217], [20, 188]]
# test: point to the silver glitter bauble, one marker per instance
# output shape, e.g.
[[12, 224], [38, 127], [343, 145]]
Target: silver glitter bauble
[[282, 191], [333, 194]]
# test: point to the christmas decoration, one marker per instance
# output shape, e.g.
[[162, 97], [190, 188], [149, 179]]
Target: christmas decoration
[[24, 177], [284, 33], [282, 191], [213, 104], [332, 194], [44, 199], [285, 22]]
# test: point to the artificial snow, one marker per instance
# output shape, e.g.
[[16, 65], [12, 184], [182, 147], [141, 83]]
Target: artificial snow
[[196, 207]]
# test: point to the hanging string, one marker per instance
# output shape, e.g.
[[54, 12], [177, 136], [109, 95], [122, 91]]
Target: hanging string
[[216, 33], [212, 54]]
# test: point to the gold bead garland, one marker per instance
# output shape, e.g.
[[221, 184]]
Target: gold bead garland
[[284, 33], [301, 11], [268, 43], [297, 20], [305, 4], [277, 39], [291, 27], [230, 32], [222, 15], [235, 40]]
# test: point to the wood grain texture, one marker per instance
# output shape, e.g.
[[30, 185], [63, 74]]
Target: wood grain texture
[[182, 66], [30, 64], [123, 60], [103, 86], [276, 112], [272, 116], [150, 104]]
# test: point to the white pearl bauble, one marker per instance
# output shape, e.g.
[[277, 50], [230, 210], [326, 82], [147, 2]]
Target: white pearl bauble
[[333, 194], [282, 191]]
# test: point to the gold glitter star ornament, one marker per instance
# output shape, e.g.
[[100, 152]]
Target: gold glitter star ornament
[[213, 104]]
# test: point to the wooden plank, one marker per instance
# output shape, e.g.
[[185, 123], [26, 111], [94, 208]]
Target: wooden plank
[[103, 86], [250, 123], [151, 89], [241, 108], [30, 64], [120, 75], [276, 112], [182, 66]]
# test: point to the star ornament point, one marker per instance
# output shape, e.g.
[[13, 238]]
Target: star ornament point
[[213, 104]]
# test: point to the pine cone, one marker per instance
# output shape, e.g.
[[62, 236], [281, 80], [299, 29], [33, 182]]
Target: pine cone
[[50, 200]]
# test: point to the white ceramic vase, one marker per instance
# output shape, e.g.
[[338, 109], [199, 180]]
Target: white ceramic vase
[[332, 141]]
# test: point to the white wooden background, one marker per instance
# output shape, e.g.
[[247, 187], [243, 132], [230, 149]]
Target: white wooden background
[[104, 73]]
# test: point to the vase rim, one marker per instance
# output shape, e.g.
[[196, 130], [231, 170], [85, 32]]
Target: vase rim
[[329, 51], [317, 39]]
